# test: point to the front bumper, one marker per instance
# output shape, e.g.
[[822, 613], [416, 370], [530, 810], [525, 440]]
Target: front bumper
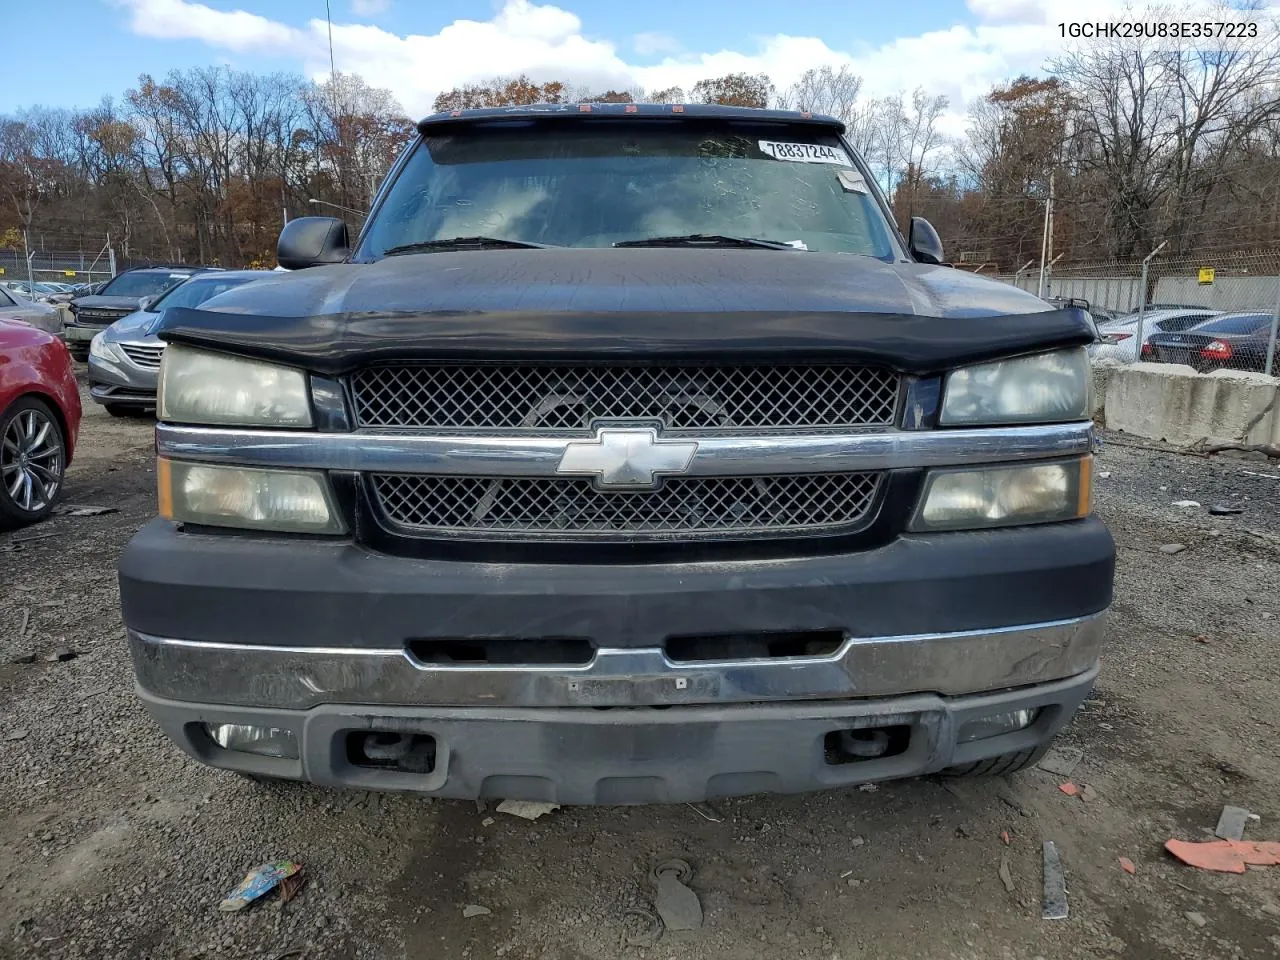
[[628, 755], [318, 637], [122, 382], [78, 332]]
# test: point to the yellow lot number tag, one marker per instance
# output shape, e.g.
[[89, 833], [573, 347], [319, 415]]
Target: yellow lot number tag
[[1206, 275]]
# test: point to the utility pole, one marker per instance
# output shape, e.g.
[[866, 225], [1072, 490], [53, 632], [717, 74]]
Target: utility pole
[[333, 73], [1046, 244], [1142, 304]]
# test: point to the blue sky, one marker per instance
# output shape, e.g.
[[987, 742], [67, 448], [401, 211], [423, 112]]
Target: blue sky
[[958, 48]]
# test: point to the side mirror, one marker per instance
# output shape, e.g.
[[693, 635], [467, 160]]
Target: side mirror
[[924, 243], [312, 242]]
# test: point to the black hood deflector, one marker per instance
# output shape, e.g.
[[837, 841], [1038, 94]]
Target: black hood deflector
[[339, 343]]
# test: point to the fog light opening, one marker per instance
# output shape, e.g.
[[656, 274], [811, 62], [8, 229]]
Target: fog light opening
[[390, 749], [249, 738], [861, 744], [996, 724]]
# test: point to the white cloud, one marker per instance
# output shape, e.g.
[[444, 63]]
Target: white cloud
[[369, 8], [654, 41], [963, 61], [235, 30]]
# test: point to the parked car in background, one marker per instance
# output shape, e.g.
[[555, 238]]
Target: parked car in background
[[44, 316], [1120, 337], [1236, 341], [119, 297], [39, 420], [124, 359], [33, 291]]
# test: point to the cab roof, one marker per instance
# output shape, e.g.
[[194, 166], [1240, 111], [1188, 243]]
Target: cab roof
[[628, 111]]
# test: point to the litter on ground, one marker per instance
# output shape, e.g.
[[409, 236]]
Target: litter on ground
[[1225, 856], [527, 809], [257, 882], [1054, 904]]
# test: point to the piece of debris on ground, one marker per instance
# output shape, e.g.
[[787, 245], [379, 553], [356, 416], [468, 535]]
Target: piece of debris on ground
[[1225, 856], [1231, 823], [677, 905], [82, 510], [1054, 904], [1173, 548], [1003, 872], [1127, 865], [527, 809], [475, 910], [257, 882], [1061, 761], [1070, 789]]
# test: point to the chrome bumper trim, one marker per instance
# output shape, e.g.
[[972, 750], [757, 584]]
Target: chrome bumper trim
[[300, 677], [522, 456]]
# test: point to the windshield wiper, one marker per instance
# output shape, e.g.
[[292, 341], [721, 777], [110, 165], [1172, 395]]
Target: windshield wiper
[[706, 240], [464, 243]]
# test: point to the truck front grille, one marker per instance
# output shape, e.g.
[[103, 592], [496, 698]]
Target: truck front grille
[[566, 398], [569, 508]]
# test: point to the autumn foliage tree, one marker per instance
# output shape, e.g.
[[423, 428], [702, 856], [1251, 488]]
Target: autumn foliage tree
[[501, 92], [735, 90]]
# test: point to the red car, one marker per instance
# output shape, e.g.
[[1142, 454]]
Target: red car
[[39, 419]]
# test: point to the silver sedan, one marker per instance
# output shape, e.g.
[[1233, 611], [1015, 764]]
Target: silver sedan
[[46, 317], [124, 359]]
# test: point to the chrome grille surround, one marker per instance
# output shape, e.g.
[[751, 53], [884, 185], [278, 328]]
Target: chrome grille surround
[[524, 508], [562, 398], [144, 354]]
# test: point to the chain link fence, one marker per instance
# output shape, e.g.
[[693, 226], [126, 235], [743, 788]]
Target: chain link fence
[[1211, 312], [66, 267]]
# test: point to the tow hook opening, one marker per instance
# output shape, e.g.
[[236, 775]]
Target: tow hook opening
[[866, 743], [389, 750]]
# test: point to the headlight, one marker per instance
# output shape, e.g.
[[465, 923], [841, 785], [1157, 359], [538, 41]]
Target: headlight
[[99, 348], [289, 501], [1005, 496], [1044, 388], [197, 386]]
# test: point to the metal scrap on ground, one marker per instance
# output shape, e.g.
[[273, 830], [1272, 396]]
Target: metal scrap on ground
[[1054, 904], [1231, 823]]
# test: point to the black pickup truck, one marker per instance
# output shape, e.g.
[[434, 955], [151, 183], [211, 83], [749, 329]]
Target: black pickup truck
[[630, 454]]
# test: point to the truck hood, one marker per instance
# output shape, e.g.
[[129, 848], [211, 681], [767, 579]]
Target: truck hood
[[639, 303], [97, 302]]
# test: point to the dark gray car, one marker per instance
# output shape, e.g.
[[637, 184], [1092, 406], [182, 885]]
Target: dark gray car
[[124, 359], [121, 296]]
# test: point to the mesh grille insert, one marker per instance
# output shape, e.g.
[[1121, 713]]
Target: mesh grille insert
[[569, 398], [525, 508]]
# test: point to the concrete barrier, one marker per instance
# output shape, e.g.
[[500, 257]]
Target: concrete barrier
[[1171, 402]]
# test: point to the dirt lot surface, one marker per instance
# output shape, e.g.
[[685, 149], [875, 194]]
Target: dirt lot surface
[[113, 844]]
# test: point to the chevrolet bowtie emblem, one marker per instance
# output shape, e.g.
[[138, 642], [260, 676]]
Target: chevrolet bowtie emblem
[[626, 457]]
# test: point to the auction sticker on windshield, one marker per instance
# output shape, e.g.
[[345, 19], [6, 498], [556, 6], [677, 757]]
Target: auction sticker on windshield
[[804, 152]]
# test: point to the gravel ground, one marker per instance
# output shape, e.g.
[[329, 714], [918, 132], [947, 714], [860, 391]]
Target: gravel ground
[[113, 844]]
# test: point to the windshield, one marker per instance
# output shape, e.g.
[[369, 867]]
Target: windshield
[[141, 284], [1240, 323], [597, 184], [196, 291]]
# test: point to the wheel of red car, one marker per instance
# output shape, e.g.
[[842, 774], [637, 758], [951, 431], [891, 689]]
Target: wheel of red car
[[33, 461]]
